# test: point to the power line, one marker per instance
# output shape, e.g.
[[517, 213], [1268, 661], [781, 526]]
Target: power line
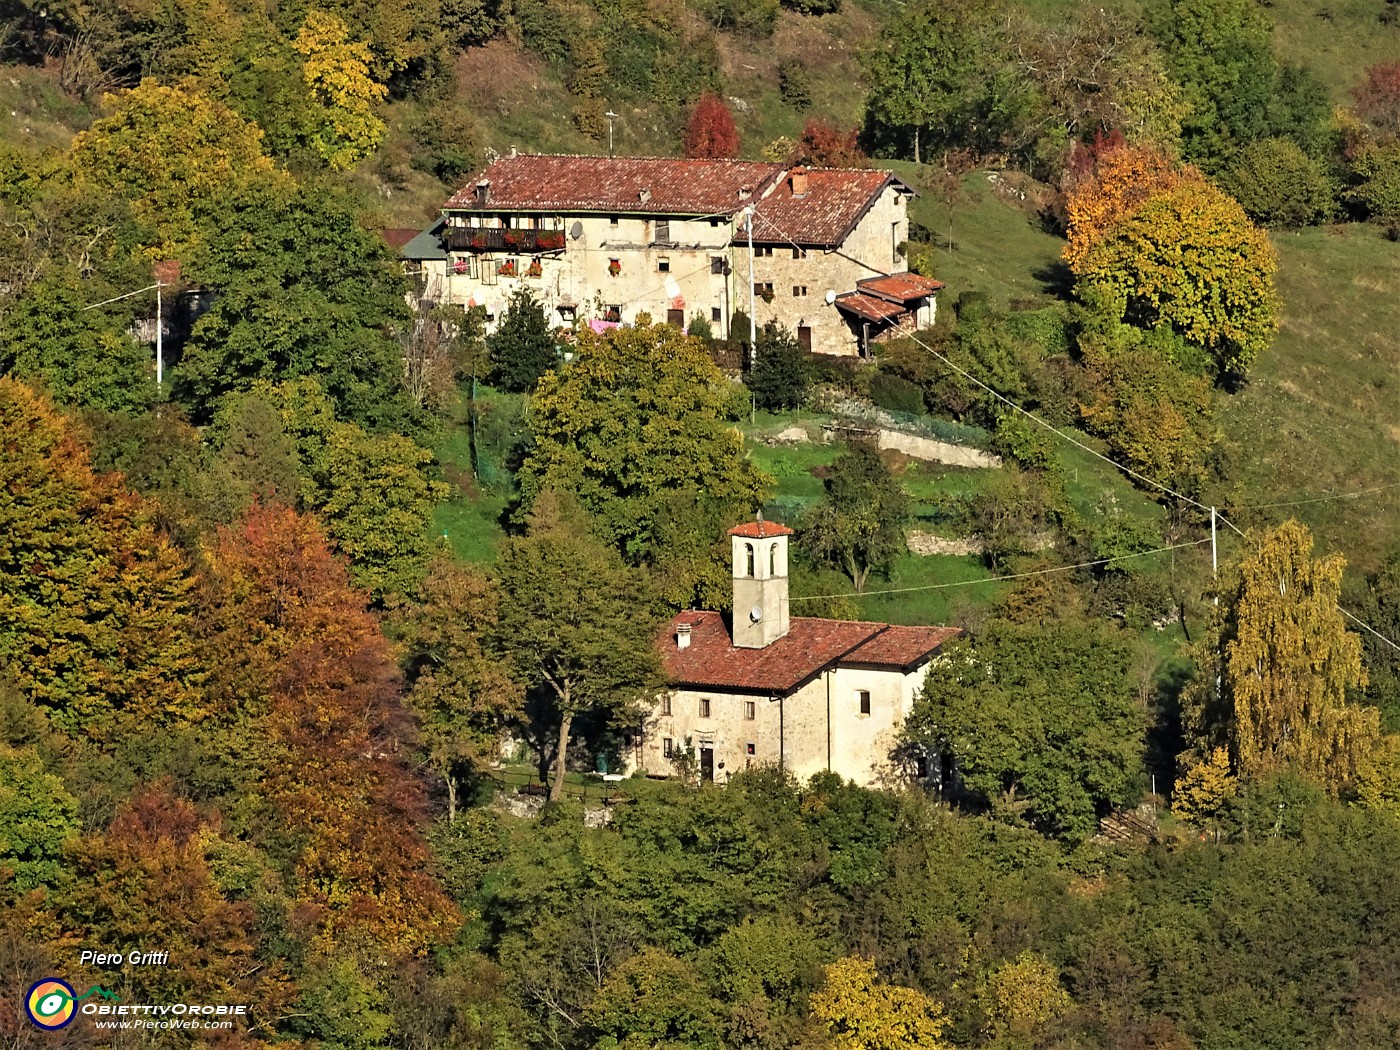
[[1319, 499], [999, 579]]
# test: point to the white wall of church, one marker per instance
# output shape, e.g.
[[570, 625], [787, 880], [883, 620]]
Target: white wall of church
[[797, 729]]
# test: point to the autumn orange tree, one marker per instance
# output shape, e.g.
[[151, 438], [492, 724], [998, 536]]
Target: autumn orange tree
[[1154, 244], [298, 654]]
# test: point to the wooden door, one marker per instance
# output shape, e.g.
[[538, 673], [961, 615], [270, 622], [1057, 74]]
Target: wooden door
[[707, 763], [804, 338]]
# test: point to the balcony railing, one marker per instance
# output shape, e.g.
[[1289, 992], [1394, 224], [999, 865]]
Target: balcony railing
[[459, 239]]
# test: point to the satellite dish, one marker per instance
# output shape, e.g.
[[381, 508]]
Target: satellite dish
[[756, 613], [576, 230], [830, 296]]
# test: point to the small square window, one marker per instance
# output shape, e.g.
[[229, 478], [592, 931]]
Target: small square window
[[863, 695], [764, 252], [715, 314], [749, 749], [663, 265], [704, 707], [750, 710], [799, 291], [612, 220], [667, 747], [663, 231], [799, 253], [613, 312], [666, 704], [714, 220], [717, 264], [921, 767]]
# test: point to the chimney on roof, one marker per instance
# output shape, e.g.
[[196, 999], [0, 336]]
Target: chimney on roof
[[644, 195], [483, 191], [745, 192], [514, 152], [798, 180], [682, 636]]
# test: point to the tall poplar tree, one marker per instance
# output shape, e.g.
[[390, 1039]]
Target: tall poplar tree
[[1286, 664]]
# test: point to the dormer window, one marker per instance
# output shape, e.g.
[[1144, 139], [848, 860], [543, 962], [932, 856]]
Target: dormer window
[[483, 192]]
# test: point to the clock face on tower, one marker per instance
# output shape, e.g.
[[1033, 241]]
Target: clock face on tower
[[756, 613]]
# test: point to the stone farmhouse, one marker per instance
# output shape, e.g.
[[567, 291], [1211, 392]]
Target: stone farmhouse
[[603, 240], [763, 687]]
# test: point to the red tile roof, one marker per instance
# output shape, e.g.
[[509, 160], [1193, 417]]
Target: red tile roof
[[899, 287], [869, 307], [810, 647], [397, 236], [653, 185], [898, 646], [759, 530], [712, 660], [835, 200]]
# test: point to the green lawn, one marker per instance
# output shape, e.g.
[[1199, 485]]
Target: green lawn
[[999, 250], [469, 520], [1321, 413]]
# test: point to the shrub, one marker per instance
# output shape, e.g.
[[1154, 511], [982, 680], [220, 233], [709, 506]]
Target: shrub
[[1278, 184], [1377, 167], [896, 393], [700, 328]]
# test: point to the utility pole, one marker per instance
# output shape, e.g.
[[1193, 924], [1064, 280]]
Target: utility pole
[[611, 116], [160, 345], [753, 322]]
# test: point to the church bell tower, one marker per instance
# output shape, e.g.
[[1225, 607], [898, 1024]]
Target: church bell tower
[[760, 550]]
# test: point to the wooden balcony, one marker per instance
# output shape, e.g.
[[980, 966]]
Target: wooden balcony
[[460, 239]]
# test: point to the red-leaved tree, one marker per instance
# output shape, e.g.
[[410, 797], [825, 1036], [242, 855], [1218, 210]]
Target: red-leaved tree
[[1378, 98], [710, 132], [320, 690], [824, 145]]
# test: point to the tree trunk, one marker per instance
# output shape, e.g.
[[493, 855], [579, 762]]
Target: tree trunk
[[451, 798], [916, 144], [556, 792]]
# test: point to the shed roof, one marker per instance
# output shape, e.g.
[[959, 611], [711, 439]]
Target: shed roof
[[869, 307], [899, 287]]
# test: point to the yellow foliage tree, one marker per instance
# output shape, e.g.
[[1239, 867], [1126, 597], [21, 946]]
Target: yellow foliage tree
[[863, 1013], [337, 71], [1205, 788], [1121, 181], [1378, 776], [175, 153], [1289, 661], [1022, 996]]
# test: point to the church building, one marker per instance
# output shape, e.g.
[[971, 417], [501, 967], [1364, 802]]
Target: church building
[[761, 686]]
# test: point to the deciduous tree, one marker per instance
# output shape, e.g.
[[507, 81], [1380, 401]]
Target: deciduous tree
[[337, 73], [304, 290], [462, 693], [177, 154], [779, 378], [711, 132], [1186, 257], [94, 601], [575, 621], [1289, 662], [637, 428], [37, 817], [864, 1013], [1040, 721], [859, 523]]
